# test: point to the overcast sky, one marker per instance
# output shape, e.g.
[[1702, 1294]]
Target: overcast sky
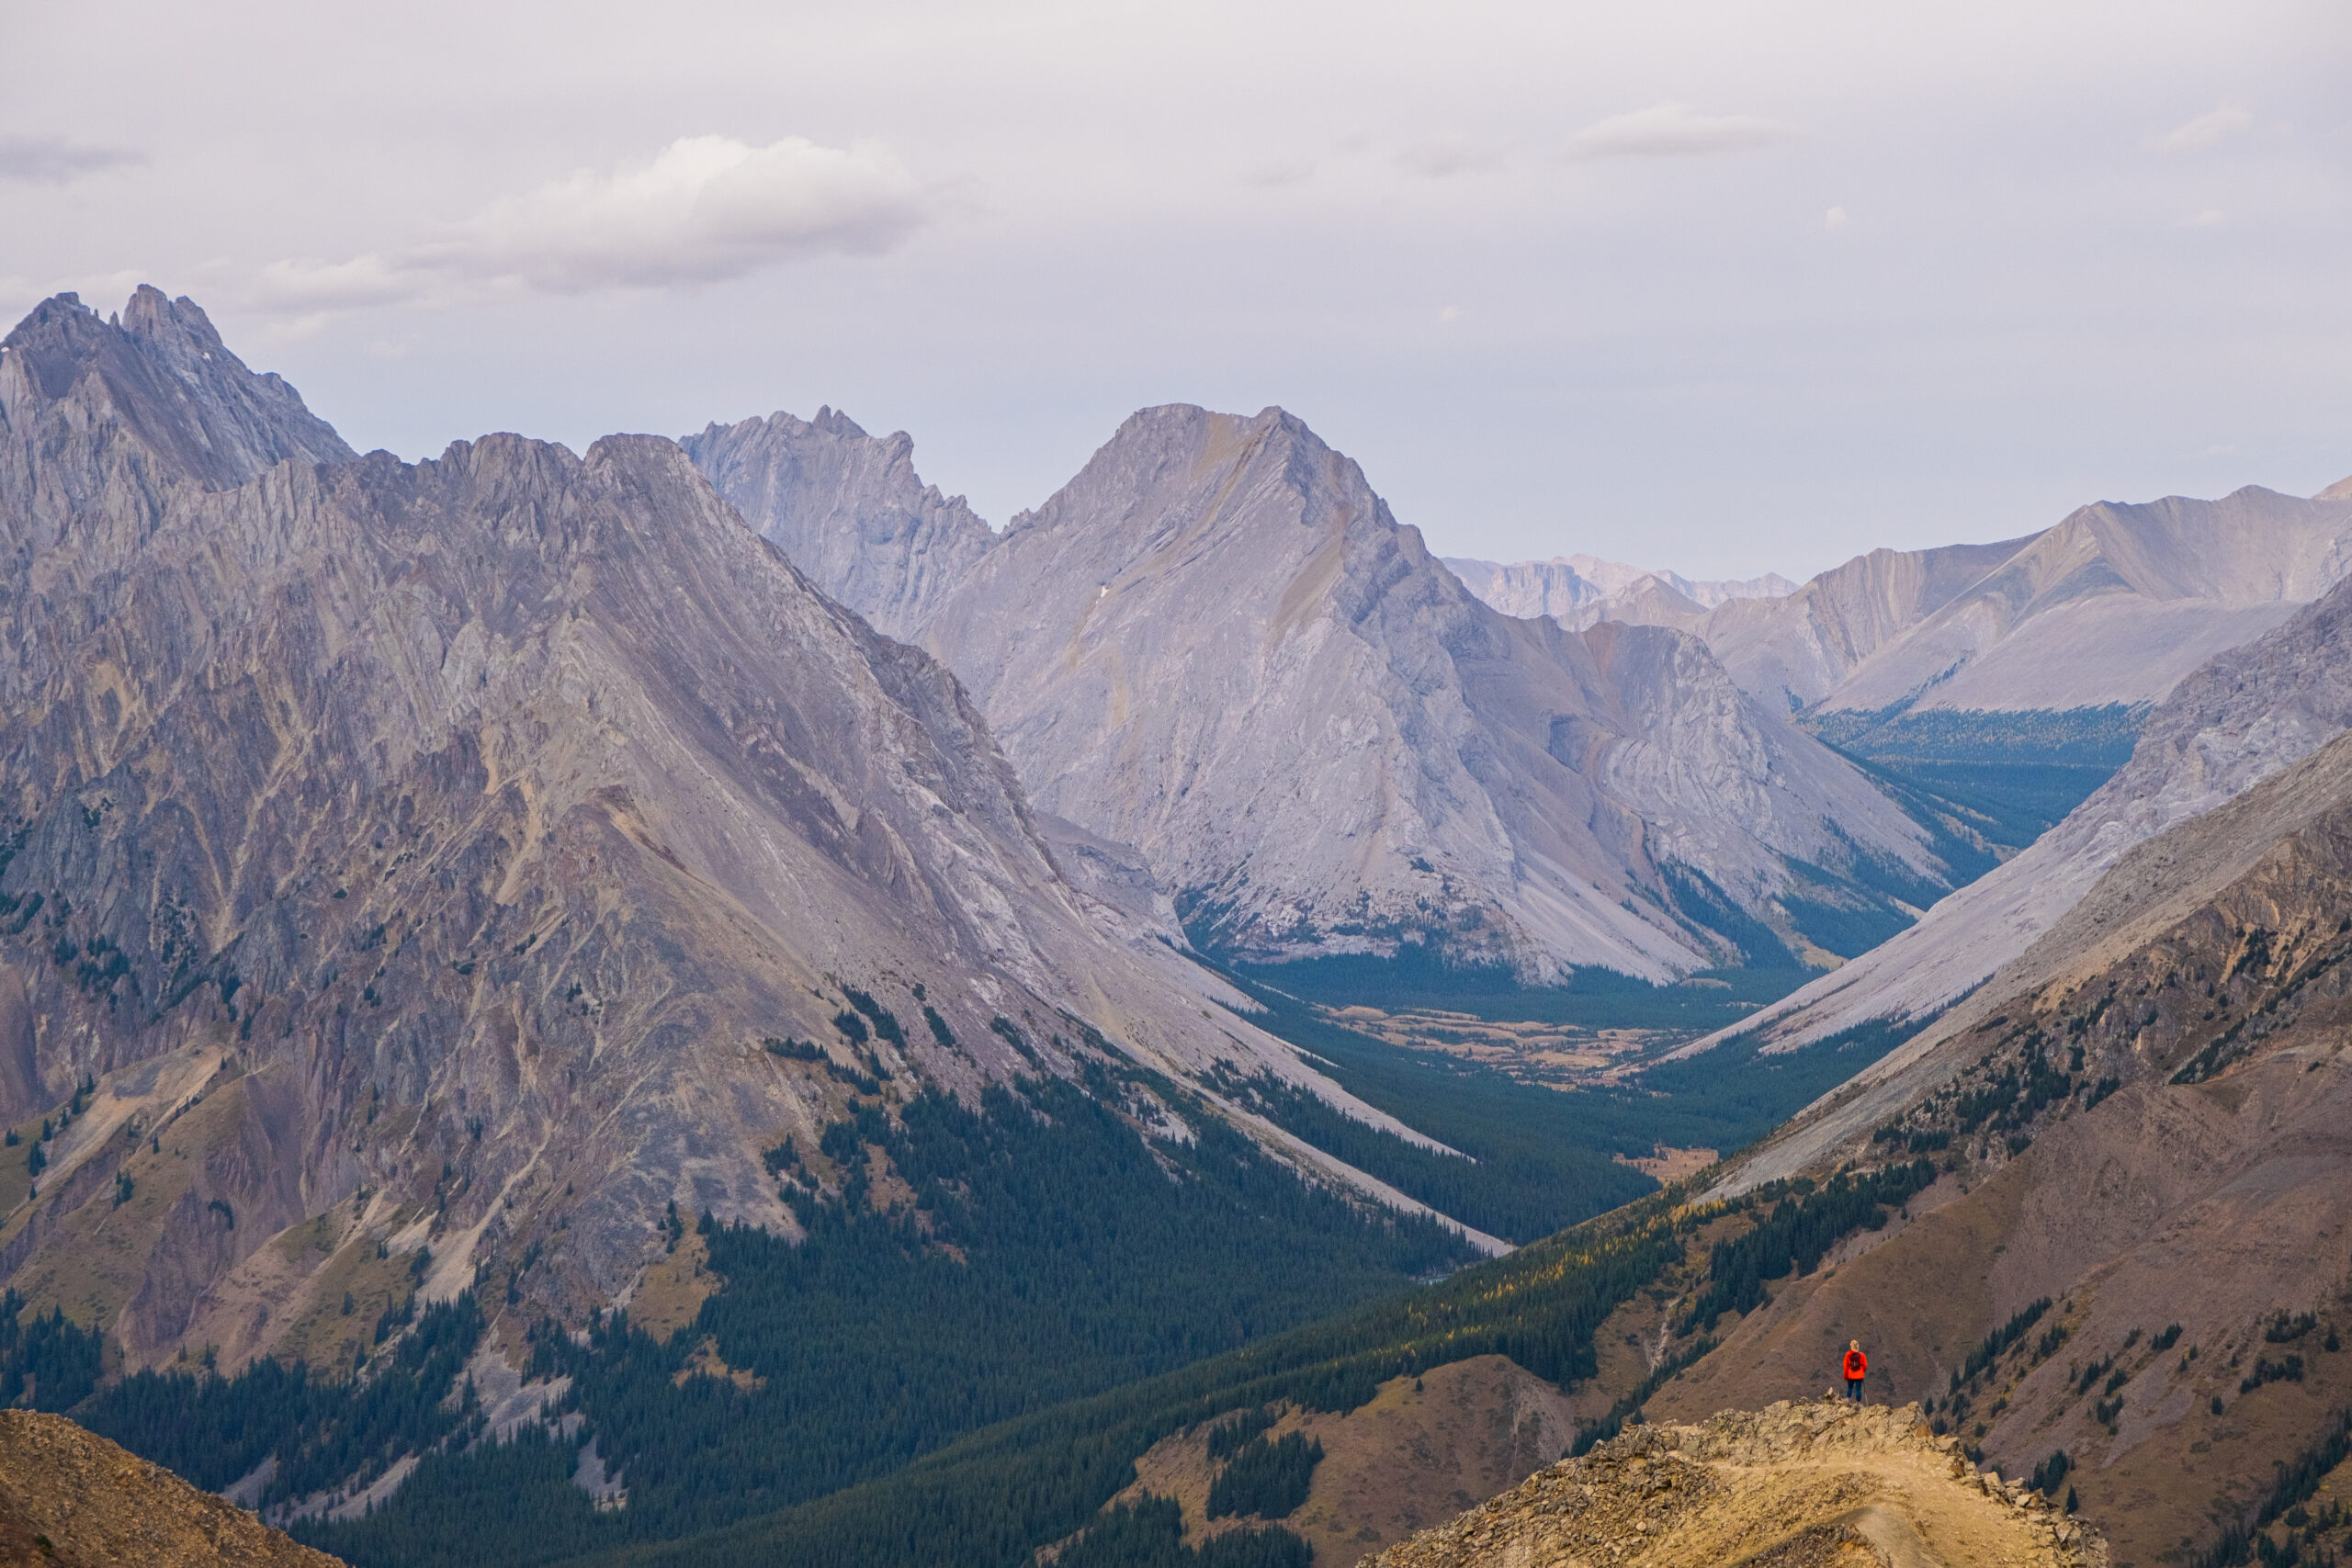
[[1723, 287]]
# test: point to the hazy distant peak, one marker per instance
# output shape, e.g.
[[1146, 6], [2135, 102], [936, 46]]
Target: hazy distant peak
[[2340, 491], [848, 509], [1584, 589], [833, 422]]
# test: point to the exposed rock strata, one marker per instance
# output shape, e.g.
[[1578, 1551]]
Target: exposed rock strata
[[847, 509], [2146, 1127], [2114, 604]]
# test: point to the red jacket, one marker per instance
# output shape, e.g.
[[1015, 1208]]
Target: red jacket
[[1857, 1364]]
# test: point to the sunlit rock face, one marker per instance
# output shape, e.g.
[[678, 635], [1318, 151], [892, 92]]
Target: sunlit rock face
[[1216, 643]]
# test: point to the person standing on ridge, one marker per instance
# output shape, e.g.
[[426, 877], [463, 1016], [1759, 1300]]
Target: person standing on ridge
[[1857, 1367]]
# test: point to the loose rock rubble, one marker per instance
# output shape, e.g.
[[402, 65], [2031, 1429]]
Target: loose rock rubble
[[1804, 1486], [71, 1499]]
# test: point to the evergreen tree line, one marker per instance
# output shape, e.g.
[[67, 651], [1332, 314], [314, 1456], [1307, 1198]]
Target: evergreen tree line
[[1267, 1479], [1229, 1437], [1051, 1253], [1513, 1193], [1149, 1534], [214, 1430], [1797, 1235], [46, 1362], [990, 1498]]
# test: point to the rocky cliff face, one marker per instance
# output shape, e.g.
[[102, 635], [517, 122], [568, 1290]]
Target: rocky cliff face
[[1217, 645], [847, 509], [423, 852]]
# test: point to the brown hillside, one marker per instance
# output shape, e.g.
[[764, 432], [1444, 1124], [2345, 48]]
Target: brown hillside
[[1423, 1450], [71, 1499], [2189, 1163], [1790, 1487]]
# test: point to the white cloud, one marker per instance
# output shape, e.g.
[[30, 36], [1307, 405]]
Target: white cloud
[[1446, 156], [1834, 219], [1666, 131], [53, 161], [2206, 130], [705, 210], [2204, 220]]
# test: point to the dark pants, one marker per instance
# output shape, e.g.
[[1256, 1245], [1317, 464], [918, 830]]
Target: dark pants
[[1854, 1389]]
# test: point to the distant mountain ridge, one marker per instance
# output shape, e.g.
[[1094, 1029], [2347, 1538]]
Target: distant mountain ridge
[[2247, 713], [1567, 586], [2116, 603]]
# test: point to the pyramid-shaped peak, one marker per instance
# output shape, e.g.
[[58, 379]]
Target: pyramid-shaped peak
[[160, 373]]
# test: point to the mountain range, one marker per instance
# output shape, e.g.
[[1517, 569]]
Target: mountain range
[[2114, 604], [431, 851], [696, 1003], [1567, 585], [1216, 644]]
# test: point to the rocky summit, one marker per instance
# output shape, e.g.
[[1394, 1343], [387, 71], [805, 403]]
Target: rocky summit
[[1216, 643], [1801, 1485]]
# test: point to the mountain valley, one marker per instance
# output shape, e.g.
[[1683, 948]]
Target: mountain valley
[[695, 1003]]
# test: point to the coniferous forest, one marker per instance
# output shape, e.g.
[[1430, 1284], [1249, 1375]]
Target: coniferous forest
[[967, 1374]]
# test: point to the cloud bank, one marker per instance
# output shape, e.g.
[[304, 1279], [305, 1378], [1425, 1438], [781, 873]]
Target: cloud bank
[[2206, 130], [704, 210], [53, 161], [1672, 130]]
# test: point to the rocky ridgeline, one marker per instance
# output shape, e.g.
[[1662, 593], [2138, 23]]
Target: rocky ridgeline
[[72, 1500], [1791, 1485]]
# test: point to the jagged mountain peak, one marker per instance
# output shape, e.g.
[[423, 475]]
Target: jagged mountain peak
[[848, 509], [161, 372], [1218, 643]]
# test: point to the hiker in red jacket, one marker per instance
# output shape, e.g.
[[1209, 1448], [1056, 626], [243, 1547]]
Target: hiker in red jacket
[[1857, 1367]]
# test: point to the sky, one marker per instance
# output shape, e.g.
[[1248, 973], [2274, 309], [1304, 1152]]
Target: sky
[[1719, 287]]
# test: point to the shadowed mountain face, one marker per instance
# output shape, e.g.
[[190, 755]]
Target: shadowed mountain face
[[1217, 645], [427, 849]]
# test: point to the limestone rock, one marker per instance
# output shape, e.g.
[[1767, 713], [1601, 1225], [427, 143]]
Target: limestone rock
[[1216, 643], [847, 509]]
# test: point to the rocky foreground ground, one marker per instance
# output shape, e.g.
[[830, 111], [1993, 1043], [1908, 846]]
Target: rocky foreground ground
[[70, 1499], [1801, 1485]]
